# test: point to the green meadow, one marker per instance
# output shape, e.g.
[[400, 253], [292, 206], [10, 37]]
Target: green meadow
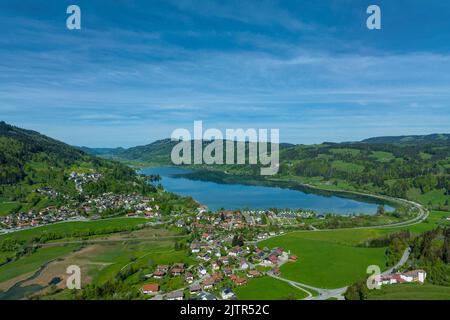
[[6, 206], [69, 227], [333, 258], [267, 288], [143, 254], [325, 264], [410, 291]]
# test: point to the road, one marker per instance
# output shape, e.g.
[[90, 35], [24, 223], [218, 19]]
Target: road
[[323, 293], [402, 261], [423, 214]]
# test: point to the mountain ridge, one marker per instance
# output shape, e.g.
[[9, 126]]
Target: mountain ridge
[[160, 149]]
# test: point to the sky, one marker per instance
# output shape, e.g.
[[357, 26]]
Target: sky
[[137, 70]]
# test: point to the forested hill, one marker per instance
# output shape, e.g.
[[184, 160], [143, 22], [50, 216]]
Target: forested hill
[[20, 147], [33, 142], [29, 160], [157, 152], [436, 138]]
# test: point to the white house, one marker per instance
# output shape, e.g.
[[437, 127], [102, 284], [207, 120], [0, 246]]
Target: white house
[[227, 294], [414, 276]]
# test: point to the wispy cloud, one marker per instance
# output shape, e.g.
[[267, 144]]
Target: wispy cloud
[[222, 62]]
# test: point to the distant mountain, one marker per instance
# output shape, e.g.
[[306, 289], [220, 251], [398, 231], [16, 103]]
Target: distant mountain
[[101, 151], [436, 138], [157, 152]]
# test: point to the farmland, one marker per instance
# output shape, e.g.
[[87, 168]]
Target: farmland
[[332, 258], [100, 262], [33, 262], [267, 288], [323, 263], [70, 227]]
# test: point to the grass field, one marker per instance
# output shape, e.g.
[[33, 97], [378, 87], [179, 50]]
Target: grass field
[[434, 196], [347, 166], [33, 262], [325, 264], [266, 288], [383, 156], [68, 227], [332, 258], [411, 291], [6, 206]]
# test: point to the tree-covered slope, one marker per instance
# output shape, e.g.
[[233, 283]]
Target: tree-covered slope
[[30, 160], [20, 147]]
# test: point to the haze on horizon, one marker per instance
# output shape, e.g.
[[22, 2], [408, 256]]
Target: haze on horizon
[[137, 70]]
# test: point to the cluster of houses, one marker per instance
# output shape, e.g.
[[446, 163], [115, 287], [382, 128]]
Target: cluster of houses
[[81, 178], [162, 270], [409, 276], [219, 267], [136, 203], [48, 192], [223, 220], [34, 218], [266, 235]]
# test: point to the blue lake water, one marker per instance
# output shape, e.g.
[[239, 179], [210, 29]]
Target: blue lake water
[[240, 196]]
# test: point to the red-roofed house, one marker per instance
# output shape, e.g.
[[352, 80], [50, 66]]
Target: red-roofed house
[[150, 288]]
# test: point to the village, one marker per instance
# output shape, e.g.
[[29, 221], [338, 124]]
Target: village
[[224, 244], [223, 260]]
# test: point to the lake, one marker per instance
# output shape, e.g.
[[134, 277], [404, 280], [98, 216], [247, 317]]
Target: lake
[[239, 196]]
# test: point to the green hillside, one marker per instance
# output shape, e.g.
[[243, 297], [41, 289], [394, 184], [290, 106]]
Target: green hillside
[[30, 160], [412, 139]]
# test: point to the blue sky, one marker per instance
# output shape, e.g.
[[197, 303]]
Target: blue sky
[[139, 69]]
